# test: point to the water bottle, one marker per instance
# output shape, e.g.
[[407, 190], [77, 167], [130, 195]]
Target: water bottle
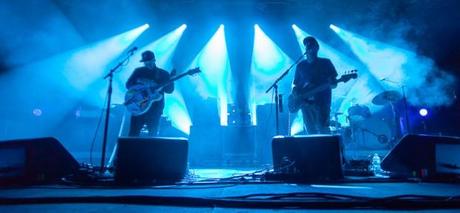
[[375, 165], [144, 131]]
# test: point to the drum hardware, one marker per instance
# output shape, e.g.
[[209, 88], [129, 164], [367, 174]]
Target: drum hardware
[[335, 125], [358, 113], [335, 122], [371, 133], [404, 100], [386, 97], [381, 138], [389, 97]]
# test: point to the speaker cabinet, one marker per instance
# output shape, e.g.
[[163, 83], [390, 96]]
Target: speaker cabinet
[[424, 156], [143, 160], [305, 158], [38, 160]]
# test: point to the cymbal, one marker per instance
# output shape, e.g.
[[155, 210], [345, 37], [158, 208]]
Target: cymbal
[[386, 97]]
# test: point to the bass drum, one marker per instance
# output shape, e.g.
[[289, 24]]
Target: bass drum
[[371, 134]]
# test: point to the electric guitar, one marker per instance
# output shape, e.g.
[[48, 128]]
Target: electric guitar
[[140, 97], [297, 100]]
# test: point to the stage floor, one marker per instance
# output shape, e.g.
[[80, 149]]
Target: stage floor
[[242, 190]]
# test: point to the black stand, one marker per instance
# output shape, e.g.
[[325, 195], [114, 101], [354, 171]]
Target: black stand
[[278, 97], [107, 112], [406, 115]]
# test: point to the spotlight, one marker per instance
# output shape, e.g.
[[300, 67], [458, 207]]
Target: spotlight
[[268, 60], [214, 62], [423, 112], [335, 28], [37, 112], [294, 26]]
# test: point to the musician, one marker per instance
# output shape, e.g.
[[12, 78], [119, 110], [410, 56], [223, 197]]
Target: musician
[[149, 73], [310, 72]]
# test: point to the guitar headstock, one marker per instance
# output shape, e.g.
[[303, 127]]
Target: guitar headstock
[[351, 74], [194, 71]]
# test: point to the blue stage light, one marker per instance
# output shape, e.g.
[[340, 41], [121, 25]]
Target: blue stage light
[[399, 67], [177, 112], [423, 112], [88, 64], [73, 77], [215, 77], [163, 47], [268, 63], [297, 124], [334, 28]]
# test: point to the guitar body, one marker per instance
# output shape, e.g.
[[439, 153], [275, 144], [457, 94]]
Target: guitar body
[[305, 96], [294, 103], [140, 98]]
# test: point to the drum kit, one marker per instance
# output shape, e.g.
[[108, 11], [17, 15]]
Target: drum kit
[[367, 131]]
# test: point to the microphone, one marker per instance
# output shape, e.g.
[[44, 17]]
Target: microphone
[[132, 50]]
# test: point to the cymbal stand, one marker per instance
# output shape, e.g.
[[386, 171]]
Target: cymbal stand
[[404, 97]]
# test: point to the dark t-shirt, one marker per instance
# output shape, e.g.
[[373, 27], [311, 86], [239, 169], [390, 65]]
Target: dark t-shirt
[[316, 73], [158, 75]]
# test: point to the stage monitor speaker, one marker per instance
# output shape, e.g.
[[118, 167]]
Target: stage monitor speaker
[[424, 156], [307, 158], [147, 160], [31, 161]]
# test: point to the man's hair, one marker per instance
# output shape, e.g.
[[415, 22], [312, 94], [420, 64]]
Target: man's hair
[[311, 41]]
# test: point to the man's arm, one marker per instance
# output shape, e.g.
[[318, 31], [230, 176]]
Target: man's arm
[[170, 87], [132, 79], [332, 74], [296, 81]]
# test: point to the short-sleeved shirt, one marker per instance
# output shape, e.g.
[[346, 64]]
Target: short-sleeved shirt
[[156, 74], [316, 73]]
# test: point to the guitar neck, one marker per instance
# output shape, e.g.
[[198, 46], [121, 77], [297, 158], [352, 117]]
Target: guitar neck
[[344, 78], [175, 78], [320, 88]]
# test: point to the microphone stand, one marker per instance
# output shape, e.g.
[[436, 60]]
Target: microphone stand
[[275, 87], [107, 112]]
